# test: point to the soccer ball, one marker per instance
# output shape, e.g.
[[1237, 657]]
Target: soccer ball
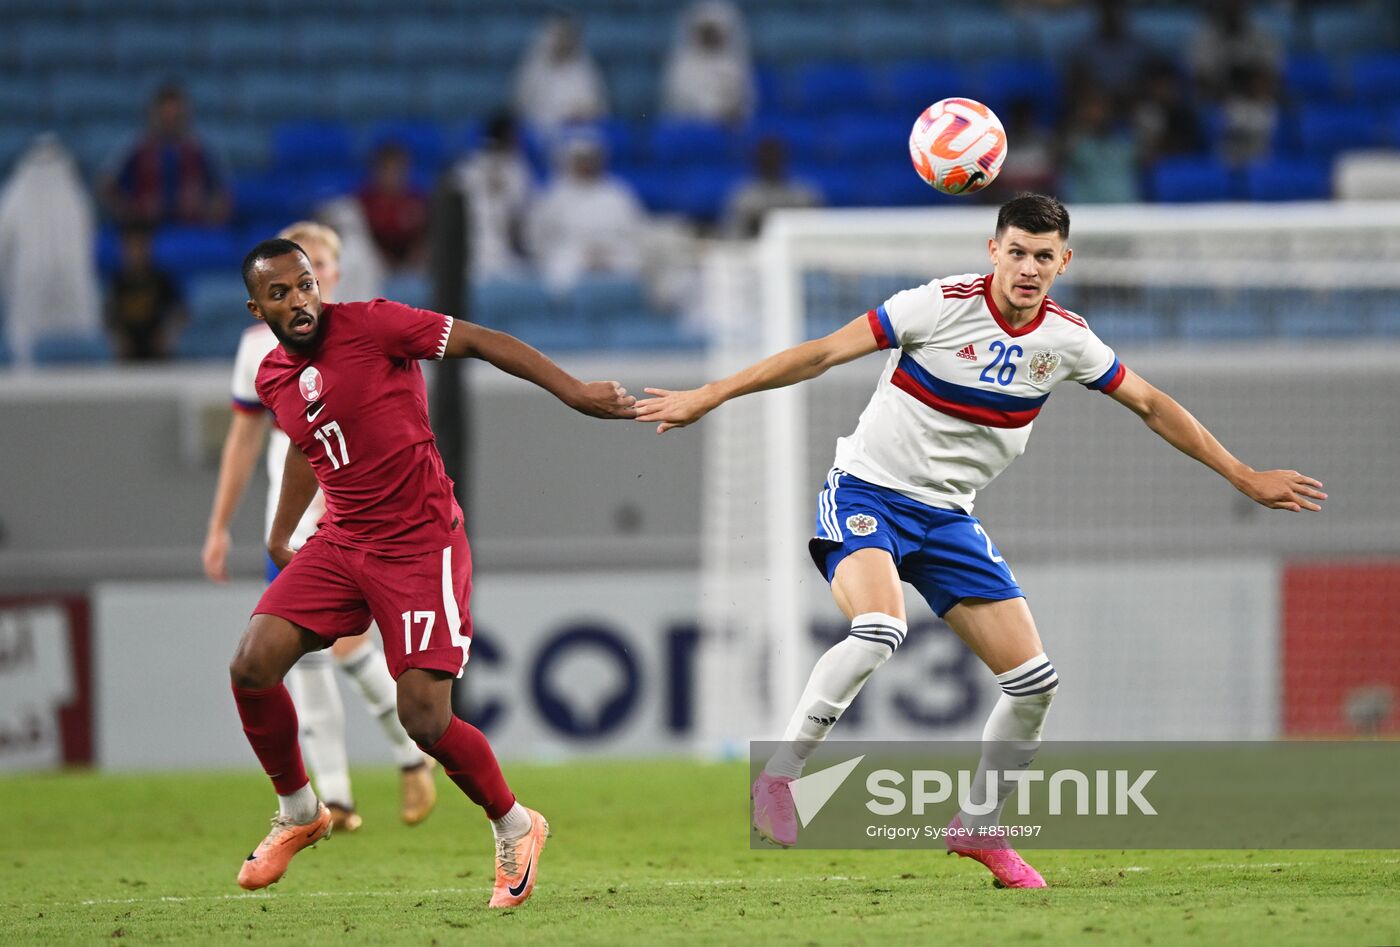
[[957, 146]]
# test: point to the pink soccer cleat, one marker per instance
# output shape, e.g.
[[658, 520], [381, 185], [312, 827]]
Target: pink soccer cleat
[[1009, 869], [773, 814]]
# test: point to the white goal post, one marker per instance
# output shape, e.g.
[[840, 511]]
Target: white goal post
[[1201, 279]]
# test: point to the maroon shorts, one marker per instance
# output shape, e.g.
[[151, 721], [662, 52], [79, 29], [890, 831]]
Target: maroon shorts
[[419, 602]]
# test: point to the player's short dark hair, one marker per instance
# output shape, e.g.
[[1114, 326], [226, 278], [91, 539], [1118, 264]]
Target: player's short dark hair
[[267, 250], [1034, 213]]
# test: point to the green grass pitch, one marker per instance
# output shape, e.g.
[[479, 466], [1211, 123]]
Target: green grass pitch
[[645, 853]]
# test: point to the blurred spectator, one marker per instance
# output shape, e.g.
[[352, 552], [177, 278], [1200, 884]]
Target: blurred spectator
[[559, 82], [48, 276], [1111, 62], [1249, 115], [1098, 165], [144, 305], [709, 74], [1163, 120], [361, 268], [1228, 41], [168, 176], [768, 188], [586, 221], [496, 182], [1030, 165], [395, 210]]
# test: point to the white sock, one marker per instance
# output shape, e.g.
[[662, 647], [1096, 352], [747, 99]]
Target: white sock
[[836, 680], [513, 824], [1012, 736], [367, 668], [300, 807], [322, 715]]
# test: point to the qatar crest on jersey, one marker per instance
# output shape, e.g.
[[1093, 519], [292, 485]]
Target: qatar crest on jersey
[[861, 524], [1042, 365], [311, 386]]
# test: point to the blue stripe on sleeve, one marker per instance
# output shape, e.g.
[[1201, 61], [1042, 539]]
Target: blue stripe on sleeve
[[1098, 383], [887, 325]]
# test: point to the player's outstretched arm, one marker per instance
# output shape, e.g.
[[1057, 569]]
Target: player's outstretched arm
[[678, 408], [1276, 489], [242, 445], [298, 487], [597, 399]]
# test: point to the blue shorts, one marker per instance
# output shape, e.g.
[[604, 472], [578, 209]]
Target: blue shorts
[[945, 554]]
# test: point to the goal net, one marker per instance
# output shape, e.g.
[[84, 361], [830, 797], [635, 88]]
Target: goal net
[[1277, 324]]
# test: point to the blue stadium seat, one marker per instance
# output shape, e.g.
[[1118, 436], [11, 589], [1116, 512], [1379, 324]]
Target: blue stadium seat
[[1288, 179], [677, 142], [833, 87], [411, 289], [321, 184], [804, 136], [892, 182], [646, 330], [1309, 323], [337, 39], [182, 251], [60, 45], [1375, 80], [839, 185], [506, 36], [1344, 29], [1000, 83], [100, 146], [1190, 180], [1309, 78], [214, 341], [1327, 130], [141, 44], [598, 298], [502, 304], [211, 95], [242, 144], [634, 89], [23, 98], [1119, 327], [633, 34], [266, 96], [1385, 322], [360, 95], [559, 334], [881, 35], [235, 42], [267, 195], [1204, 325], [297, 146], [788, 36], [423, 139], [1058, 34], [61, 349], [427, 40], [5, 355], [913, 86], [860, 136], [973, 39], [77, 96], [1167, 30], [454, 94], [216, 299]]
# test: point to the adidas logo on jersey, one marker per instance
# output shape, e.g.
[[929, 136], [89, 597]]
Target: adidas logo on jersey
[[968, 352]]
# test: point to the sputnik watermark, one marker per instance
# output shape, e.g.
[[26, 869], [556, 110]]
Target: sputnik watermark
[[1106, 792]]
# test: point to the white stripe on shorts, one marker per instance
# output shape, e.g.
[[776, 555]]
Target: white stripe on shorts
[[451, 612], [826, 505]]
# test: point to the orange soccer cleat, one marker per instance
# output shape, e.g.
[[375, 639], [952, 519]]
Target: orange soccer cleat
[[517, 864], [268, 862]]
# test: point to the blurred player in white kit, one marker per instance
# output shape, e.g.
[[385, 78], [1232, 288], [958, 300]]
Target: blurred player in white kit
[[312, 681]]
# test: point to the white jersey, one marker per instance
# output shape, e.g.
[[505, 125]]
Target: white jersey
[[955, 404], [257, 341]]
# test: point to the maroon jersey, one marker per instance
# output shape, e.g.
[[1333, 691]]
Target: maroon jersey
[[358, 409]]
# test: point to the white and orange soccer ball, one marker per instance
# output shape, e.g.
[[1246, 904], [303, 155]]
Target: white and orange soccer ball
[[957, 146]]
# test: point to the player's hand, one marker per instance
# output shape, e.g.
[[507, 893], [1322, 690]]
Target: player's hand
[[281, 555], [604, 399], [215, 555], [1283, 490], [673, 408]]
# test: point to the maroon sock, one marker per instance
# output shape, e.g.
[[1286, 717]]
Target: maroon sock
[[466, 756], [270, 721]]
